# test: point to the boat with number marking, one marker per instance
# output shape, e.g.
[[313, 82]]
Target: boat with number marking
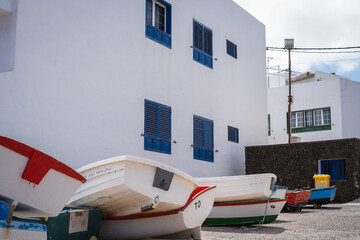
[[251, 211], [182, 223], [241, 187], [127, 185], [33, 183]]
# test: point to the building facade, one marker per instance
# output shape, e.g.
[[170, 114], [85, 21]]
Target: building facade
[[179, 82], [324, 108]]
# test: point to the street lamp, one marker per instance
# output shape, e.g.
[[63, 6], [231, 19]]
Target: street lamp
[[289, 44]]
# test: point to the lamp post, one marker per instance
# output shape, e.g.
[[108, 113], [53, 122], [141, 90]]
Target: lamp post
[[289, 44]]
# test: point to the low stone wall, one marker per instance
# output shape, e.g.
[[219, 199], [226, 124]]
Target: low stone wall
[[295, 164]]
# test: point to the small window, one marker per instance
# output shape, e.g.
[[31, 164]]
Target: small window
[[335, 168], [233, 134], [157, 127], [158, 21], [202, 44], [231, 49], [203, 139]]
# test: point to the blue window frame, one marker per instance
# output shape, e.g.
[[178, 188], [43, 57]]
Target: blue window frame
[[158, 21], [335, 168], [203, 139], [231, 49], [233, 134], [202, 44], [157, 127]]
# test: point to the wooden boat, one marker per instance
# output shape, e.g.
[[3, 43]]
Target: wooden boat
[[128, 185], [247, 211], [320, 196], [296, 199], [18, 229], [138, 226], [241, 187], [35, 184]]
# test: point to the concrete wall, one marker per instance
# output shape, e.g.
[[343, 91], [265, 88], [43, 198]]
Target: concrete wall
[[83, 69], [310, 95], [295, 164]]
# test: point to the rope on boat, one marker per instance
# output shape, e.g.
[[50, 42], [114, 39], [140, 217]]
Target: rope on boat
[[259, 225]]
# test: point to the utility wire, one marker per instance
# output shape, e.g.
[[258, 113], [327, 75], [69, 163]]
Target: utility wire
[[338, 48], [318, 50], [297, 51]]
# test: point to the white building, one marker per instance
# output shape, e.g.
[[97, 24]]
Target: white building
[[325, 106], [86, 80]]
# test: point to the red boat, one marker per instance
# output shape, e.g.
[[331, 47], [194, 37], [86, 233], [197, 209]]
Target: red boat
[[296, 200]]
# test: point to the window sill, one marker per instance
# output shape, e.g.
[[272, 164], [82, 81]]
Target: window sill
[[311, 129], [158, 36]]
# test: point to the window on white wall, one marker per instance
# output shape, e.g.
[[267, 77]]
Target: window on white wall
[[158, 21], [311, 120]]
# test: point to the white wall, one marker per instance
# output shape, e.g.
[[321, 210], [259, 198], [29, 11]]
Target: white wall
[[83, 69], [306, 96], [7, 34], [350, 99]]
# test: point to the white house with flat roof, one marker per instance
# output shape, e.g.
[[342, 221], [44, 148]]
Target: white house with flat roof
[[179, 82], [325, 106]]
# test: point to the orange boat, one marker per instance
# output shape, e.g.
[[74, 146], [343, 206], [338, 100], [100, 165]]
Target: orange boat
[[296, 200]]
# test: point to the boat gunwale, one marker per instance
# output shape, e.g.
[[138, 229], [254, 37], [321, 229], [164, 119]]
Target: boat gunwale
[[133, 159], [236, 177]]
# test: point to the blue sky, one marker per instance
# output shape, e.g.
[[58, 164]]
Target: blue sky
[[312, 24]]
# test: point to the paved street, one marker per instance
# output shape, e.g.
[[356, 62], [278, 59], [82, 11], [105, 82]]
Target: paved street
[[332, 221]]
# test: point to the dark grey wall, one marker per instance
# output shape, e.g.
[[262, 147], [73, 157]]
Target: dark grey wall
[[295, 164]]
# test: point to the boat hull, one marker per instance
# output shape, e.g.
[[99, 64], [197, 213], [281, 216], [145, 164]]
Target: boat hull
[[236, 213], [322, 195], [36, 184], [190, 216], [127, 185], [241, 187]]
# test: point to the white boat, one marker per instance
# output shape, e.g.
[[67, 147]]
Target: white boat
[[128, 185], [241, 187], [248, 211], [185, 220], [35, 184]]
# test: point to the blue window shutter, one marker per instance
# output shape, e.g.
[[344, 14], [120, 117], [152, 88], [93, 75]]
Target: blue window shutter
[[203, 139], [208, 41], [198, 132], [168, 19], [157, 127], [149, 12], [151, 112], [198, 36], [202, 44], [335, 168]]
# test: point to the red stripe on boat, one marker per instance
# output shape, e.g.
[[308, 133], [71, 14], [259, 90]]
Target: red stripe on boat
[[39, 163], [219, 204], [197, 192]]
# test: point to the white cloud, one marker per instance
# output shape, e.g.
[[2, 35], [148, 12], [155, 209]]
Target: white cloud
[[312, 23]]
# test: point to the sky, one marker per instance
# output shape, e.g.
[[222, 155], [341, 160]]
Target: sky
[[312, 24]]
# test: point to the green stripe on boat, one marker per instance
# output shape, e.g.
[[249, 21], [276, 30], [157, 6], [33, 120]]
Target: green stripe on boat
[[237, 221]]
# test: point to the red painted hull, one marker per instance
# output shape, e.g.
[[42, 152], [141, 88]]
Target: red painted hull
[[297, 198]]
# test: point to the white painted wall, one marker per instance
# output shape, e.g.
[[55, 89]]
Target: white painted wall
[[83, 69], [7, 34], [309, 95], [350, 99]]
